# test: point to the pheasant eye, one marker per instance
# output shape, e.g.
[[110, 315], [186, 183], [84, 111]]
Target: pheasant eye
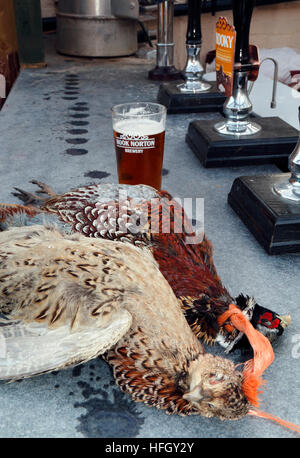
[[266, 322], [215, 378]]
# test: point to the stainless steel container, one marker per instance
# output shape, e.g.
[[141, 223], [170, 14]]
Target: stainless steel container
[[97, 28]]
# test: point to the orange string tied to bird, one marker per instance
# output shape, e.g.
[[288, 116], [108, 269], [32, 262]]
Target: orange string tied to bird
[[254, 368], [262, 349]]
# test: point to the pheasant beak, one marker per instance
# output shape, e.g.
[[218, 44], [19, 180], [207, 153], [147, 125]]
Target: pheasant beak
[[193, 395], [197, 395], [285, 320]]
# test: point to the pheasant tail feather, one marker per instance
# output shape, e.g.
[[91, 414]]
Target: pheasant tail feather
[[7, 210]]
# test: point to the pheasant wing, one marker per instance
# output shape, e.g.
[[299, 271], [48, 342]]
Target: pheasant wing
[[28, 349], [58, 307]]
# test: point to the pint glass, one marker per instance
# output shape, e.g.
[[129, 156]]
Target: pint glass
[[139, 134]]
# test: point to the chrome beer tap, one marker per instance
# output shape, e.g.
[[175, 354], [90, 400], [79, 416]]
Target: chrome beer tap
[[291, 189], [165, 69], [238, 106], [193, 70]]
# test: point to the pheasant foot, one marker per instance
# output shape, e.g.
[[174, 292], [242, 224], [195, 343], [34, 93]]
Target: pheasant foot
[[44, 188], [33, 199], [28, 198]]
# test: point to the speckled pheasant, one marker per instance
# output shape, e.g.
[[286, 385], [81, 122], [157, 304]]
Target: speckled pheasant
[[66, 299], [145, 216]]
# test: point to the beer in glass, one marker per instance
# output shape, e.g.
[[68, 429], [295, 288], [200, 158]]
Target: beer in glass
[[139, 134]]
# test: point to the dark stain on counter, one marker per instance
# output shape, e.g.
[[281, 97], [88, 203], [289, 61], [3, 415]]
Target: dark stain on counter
[[77, 141], [77, 131], [76, 151], [76, 372], [108, 415], [97, 174]]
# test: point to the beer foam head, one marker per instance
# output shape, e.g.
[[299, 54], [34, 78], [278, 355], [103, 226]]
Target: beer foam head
[[136, 127]]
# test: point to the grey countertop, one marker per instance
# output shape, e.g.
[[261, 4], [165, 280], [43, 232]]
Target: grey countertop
[[39, 140]]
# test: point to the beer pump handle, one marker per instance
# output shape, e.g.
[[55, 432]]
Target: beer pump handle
[[193, 70], [194, 34], [242, 14]]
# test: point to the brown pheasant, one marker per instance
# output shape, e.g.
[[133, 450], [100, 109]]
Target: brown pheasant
[[144, 216], [66, 299]]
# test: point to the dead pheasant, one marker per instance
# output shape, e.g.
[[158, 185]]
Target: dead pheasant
[[66, 299], [112, 212]]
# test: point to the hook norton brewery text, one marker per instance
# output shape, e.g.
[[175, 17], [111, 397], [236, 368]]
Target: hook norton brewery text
[[139, 148]]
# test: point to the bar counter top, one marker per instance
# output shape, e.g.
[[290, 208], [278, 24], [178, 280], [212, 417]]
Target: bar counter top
[[39, 141]]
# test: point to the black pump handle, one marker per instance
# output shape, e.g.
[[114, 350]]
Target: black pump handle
[[242, 14], [194, 34]]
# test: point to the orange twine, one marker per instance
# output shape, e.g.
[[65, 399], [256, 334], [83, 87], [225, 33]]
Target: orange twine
[[254, 368], [286, 424], [263, 352]]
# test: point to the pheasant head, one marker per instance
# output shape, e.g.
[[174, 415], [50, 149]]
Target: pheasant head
[[202, 313], [215, 388], [266, 321]]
